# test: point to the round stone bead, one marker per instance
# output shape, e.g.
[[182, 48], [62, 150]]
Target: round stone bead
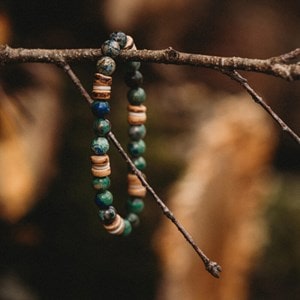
[[140, 163], [134, 79], [133, 219], [102, 127], [127, 228], [119, 37], [136, 96], [106, 65], [100, 108], [135, 205], [104, 199], [100, 145], [107, 216], [136, 148], [137, 132], [111, 48], [133, 66], [101, 183]]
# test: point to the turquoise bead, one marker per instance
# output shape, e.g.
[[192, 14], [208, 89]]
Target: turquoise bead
[[137, 132], [134, 79], [119, 37], [108, 215], [106, 65], [102, 127], [100, 108], [104, 199], [136, 96], [101, 183], [135, 205], [133, 219], [127, 229], [100, 145], [136, 148], [133, 66], [140, 163], [111, 48]]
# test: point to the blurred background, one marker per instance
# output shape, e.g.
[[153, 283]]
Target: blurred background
[[228, 172]]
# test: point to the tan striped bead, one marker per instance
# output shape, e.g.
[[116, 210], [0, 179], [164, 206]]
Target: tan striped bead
[[103, 79], [102, 87], [129, 44], [117, 226], [100, 165], [135, 187], [136, 114]]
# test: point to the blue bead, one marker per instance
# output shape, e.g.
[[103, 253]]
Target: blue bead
[[106, 65], [111, 48], [119, 37], [100, 108], [100, 145]]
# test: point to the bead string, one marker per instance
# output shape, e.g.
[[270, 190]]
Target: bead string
[[101, 170]]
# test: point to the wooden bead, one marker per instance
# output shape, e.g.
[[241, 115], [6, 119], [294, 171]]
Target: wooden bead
[[137, 114], [130, 44], [117, 226], [135, 187], [102, 79], [100, 165], [102, 87]]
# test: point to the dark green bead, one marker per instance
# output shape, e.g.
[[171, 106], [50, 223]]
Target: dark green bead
[[106, 65], [134, 79], [133, 66], [136, 96], [135, 205], [137, 132], [120, 37], [136, 148], [127, 229], [111, 48], [102, 127], [133, 219], [101, 183], [140, 163], [100, 145], [108, 215], [104, 199]]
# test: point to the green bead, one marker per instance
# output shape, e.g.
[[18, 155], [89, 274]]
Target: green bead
[[136, 96], [133, 219], [134, 79], [108, 215], [133, 66], [104, 199], [136, 148], [106, 65], [137, 132], [100, 145], [135, 205], [101, 183], [140, 163], [102, 127], [127, 229]]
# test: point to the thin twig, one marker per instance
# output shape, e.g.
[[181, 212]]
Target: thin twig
[[259, 100], [212, 267]]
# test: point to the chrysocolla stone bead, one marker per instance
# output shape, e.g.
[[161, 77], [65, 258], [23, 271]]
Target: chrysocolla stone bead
[[136, 148], [119, 37], [135, 205], [100, 108], [133, 219], [133, 66], [136, 96], [102, 127], [108, 215], [134, 79], [140, 163], [127, 229], [111, 48], [106, 65], [101, 183], [104, 199], [137, 132], [100, 145]]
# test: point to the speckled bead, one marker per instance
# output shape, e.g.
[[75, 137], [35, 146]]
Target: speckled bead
[[117, 226], [135, 187], [136, 148], [134, 79], [136, 96], [101, 183], [108, 215], [120, 37], [137, 132], [140, 163], [111, 48], [136, 114], [127, 228], [100, 108], [135, 205], [104, 199], [100, 145], [100, 165], [102, 127], [106, 65], [133, 219]]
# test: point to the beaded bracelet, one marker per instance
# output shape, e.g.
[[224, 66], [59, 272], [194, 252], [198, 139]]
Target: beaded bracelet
[[101, 170]]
